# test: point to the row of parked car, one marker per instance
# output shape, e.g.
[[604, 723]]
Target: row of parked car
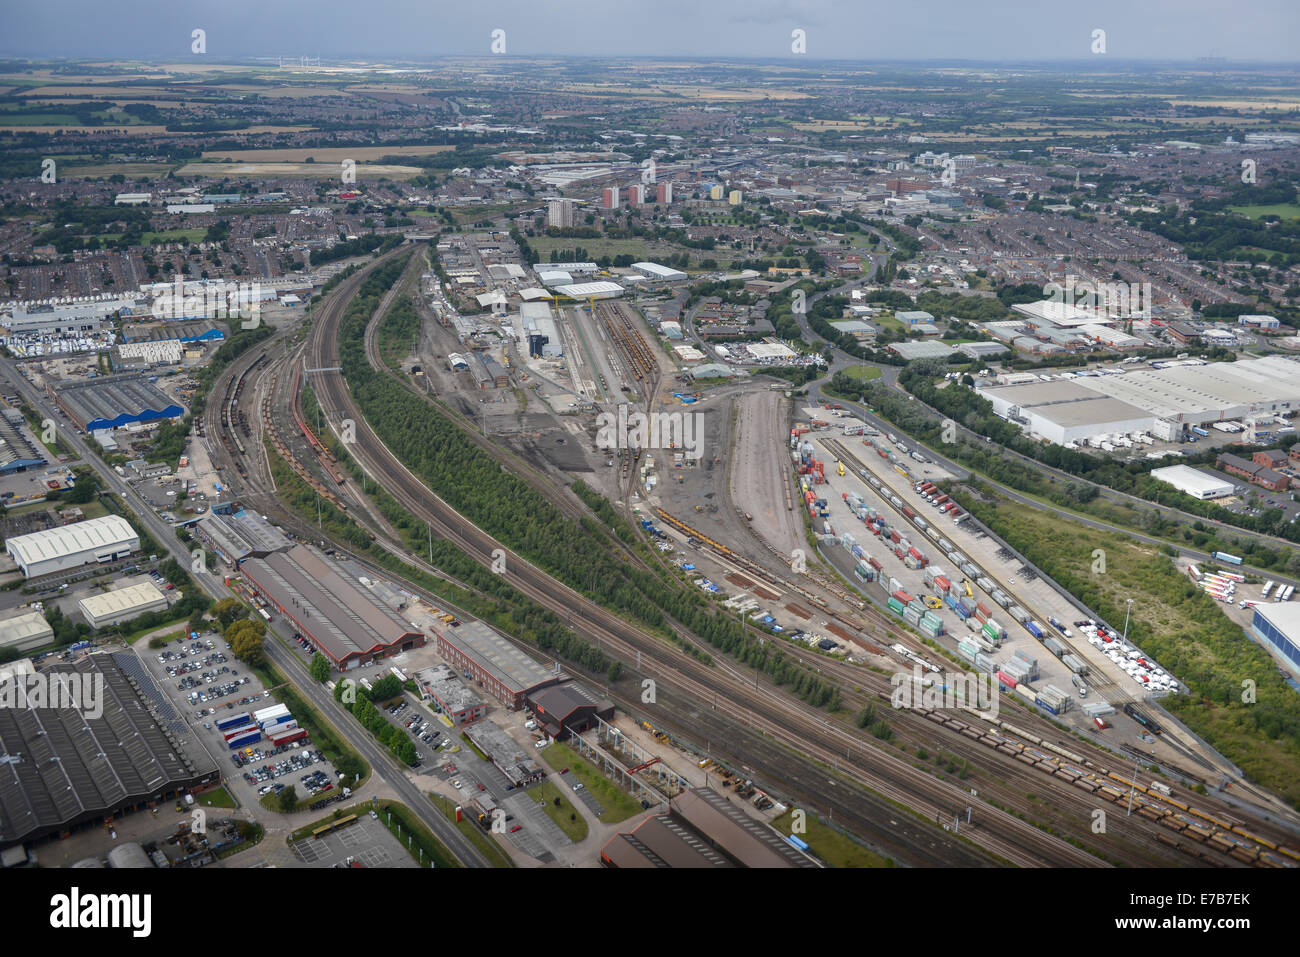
[[214, 693], [269, 772]]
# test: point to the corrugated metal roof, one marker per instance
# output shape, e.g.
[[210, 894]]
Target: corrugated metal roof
[[108, 533]]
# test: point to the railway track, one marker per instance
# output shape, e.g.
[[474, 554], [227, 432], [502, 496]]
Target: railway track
[[807, 736]]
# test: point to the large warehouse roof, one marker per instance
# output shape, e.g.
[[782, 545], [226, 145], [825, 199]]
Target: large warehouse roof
[[25, 631], [734, 832], [597, 290], [1193, 481], [17, 451], [60, 767], [242, 534], [122, 603], [112, 402], [1204, 392], [499, 658], [108, 533], [660, 841], [344, 617]]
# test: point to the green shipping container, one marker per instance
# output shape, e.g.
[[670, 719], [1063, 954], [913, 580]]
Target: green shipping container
[[991, 633], [895, 606]]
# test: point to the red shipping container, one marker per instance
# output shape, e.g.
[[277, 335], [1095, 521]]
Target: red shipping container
[[874, 563], [903, 596], [942, 584], [1006, 679]]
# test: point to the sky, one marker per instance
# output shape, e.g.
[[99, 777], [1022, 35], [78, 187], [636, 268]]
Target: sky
[[991, 30]]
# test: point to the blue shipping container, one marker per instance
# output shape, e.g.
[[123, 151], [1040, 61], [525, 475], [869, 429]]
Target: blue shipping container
[[244, 740], [234, 721]]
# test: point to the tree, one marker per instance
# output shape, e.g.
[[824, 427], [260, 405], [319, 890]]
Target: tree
[[320, 668], [228, 611], [246, 638], [287, 800]]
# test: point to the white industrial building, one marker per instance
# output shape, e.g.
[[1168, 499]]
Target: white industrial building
[[25, 632], [73, 316], [1164, 401], [658, 272], [1063, 412], [122, 604], [536, 320], [1192, 482], [94, 541], [591, 290]]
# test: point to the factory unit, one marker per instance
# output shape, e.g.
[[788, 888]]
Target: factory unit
[[657, 272], [1193, 482], [96, 541], [1278, 625], [18, 452], [560, 709], [343, 618], [25, 632], [485, 656], [122, 604], [112, 402], [95, 767], [65, 318], [237, 535], [1063, 412], [457, 701], [540, 335]]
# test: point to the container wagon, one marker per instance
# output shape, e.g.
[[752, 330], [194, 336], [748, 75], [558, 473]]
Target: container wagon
[[1035, 629]]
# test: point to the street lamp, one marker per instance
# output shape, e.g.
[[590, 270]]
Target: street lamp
[[1127, 609]]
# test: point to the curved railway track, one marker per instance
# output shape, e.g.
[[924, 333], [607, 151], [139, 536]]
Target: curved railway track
[[805, 735]]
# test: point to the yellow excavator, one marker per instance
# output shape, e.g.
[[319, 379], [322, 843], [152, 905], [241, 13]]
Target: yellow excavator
[[966, 585], [932, 602], [839, 468]]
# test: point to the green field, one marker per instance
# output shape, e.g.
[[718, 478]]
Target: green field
[[830, 845], [864, 373], [1284, 210], [573, 824], [618, 804], [641, 249]]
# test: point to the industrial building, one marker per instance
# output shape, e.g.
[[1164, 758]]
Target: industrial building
[[1277, 624], [1193, 482], [67, 547], [660, 841], [343, 619], [66, 318], [560, 709], [188, 330], [540, 334], [590, 290], [237, 535], [507, 673], [1063, 412], [458, 702], [505, 752], [1253, 472], [703, 829], [921, 350], [18, 453], [657, 272], [24, 632], [77, 768], [122, 604], [112, 402]]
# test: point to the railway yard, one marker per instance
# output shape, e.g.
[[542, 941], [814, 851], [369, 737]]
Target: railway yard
[[978, 790]]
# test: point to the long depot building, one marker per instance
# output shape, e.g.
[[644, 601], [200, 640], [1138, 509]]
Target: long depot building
[[506, 672], [343, 618]]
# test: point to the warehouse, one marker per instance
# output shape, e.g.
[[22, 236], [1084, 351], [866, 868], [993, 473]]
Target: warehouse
[[540, 334], [922, 350], [122, 604], [1192, 482], [505, 752], [590, 290], [1198, 394], [1064, 412], [658, 272], [729, 830], [506, 672], [459, 703], [1277, 624], [94, 541], [25, 632], [343, 619], [243, 534], [198, 330], [560, 709], [112, 402], [660, 841], [18, 453], [126, 752]]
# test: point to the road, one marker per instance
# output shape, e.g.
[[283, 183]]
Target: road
[[289, 664]]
